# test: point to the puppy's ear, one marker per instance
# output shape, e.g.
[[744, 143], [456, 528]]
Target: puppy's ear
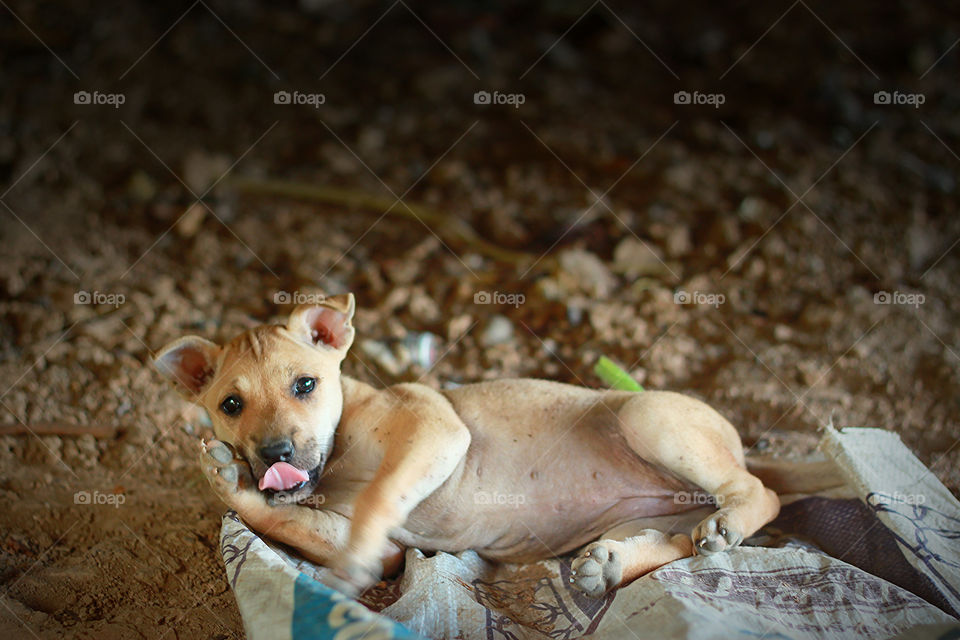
[[326, 324], [189, 363]]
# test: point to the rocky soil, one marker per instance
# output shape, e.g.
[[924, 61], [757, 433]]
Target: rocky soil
[[785, 255]]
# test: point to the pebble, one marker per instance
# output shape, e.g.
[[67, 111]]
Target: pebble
[[192, 219], [459, 325], [581, 270], [499, 330], [678, 242], [382, 355], [634, 258], [782, 333], [753, 209]]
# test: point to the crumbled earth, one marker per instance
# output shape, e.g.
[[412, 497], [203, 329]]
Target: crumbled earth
[[742, 252]]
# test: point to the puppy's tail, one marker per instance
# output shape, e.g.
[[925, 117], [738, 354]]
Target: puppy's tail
[[792, 476]]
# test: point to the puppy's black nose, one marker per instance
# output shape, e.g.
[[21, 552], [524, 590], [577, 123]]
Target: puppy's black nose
[[280, 450]]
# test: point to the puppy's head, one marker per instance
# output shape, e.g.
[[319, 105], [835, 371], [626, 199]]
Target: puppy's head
[[273, 392]]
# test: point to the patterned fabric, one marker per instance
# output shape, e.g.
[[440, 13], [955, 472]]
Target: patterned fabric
[[828, 568]]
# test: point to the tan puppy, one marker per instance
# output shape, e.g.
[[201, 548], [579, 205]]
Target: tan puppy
[[517, 470]]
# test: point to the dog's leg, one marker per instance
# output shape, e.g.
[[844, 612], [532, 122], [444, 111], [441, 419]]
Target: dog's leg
[[690, 439], [423, 451], [624, 554], [318, 535]]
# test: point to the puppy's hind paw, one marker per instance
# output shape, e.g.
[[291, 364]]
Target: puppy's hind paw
[[716, 533], [597, 569]]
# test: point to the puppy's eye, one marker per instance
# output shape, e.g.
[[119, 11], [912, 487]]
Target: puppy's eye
[[303, 386], [232, 405]]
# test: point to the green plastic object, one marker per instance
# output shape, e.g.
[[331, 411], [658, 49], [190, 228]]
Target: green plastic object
[[614, 376]]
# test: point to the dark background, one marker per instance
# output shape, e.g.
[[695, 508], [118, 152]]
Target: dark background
[[799, 199]]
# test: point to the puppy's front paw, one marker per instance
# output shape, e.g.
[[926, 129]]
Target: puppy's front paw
[[229, 476], [716, 533], [598, 569], [352, 578]]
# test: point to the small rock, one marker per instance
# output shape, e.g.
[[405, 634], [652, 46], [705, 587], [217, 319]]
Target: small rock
[[499, 330], [423, 307], [678, 242], [634, 258], [782, 333], [458, 326], [549, 288], [752, 209], [550, 347], [725, 232], [402, 272], [382, 355], [809, 372], [574, 314], [581, 270], [192, 219]]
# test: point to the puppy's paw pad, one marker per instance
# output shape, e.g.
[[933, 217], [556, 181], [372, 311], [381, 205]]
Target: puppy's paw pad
[[715, 534], [598, 569], [223, 469], [219, 451]]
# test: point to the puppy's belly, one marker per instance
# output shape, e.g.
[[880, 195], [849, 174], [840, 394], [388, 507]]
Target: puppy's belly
[[518, 509]]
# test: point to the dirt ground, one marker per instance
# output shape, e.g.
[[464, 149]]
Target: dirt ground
[[782, 246]]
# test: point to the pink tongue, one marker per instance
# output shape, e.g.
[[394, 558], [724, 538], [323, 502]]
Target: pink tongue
[[282, 476]]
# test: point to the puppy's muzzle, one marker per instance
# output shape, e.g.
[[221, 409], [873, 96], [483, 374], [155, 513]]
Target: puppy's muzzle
[[278, 450]]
